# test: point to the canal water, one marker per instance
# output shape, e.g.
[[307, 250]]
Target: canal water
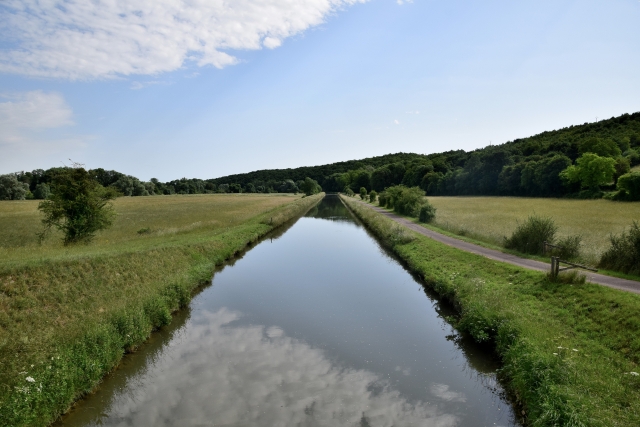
[[315, 326]]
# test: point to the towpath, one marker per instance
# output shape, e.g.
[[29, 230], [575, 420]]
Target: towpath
[[612, 282]]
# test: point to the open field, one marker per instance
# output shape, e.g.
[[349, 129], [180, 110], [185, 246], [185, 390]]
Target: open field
[[67, 315], [491, 219], [170, 219], [569, 352]]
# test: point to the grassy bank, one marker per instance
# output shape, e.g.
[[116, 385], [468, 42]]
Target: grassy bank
[[490, 219], [569, 353], [68, 315]]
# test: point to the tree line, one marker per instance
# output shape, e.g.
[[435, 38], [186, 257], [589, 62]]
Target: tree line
[[589, 160]]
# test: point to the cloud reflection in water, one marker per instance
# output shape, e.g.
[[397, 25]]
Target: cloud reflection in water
[[221, 374]]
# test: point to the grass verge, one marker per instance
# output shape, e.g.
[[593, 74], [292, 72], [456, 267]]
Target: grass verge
[[569, 352], [66, 321]]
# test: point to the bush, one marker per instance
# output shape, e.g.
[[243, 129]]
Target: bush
[[363, 193], [569, 247], [404, 200], [42, 191], [628, 187], [530, 235], [624, 253], [372, 196], [348, 191], [383, 198], [79, 206], [427, 212], [11, 188]]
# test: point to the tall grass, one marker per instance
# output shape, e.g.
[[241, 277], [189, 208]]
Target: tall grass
[[66, 320], [491, 219], [569, 353]]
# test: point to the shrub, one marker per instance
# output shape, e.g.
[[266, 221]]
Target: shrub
[[11, 188], [531, 234], [624, 253], [348, 191], [372, 196], [405, 200], [427, 212], [363, 193], [383, 198], [569, 247], [628, 187], [79, 206]]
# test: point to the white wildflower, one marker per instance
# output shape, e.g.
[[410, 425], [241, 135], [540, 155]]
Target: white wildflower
[[635, 374], [30, 379]]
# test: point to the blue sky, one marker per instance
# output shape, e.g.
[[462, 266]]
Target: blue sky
[[197, 88]]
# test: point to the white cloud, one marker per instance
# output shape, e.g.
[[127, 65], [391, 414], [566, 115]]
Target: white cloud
[[33, 110], [396, 122], [26, 121], [252, 375], [88, 39]]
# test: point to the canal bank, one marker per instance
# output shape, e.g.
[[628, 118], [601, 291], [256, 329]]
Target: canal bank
[[124, 295], [569, 352], [318, 325]]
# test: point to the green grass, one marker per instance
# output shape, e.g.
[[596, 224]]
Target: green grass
[[67, 315], [534, 325], [491, 219]]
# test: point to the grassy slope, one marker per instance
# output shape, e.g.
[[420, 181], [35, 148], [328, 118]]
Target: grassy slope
[[535, 325], [492, 218], [68, 315]]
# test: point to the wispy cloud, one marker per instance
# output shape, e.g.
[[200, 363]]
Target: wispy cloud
[[33, 110], [87, 39]]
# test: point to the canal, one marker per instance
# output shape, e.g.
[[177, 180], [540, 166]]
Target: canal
[[316, 325]]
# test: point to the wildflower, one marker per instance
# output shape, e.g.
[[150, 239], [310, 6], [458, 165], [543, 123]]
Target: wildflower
[[635, 374], [31, 380], [574, 349], [555, 354]]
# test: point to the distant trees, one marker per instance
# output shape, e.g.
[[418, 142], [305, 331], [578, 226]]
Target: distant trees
[[310, 186], [79, 206], [11, 188]]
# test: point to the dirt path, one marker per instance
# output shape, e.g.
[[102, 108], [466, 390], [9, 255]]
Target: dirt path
[[612, 282]]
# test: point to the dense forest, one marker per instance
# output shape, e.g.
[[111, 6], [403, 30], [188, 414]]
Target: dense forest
[[586, 160]]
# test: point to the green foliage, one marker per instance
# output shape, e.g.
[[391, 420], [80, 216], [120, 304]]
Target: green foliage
[[405, 200], [373, 196], [628, 187], [427, 212], [602, 147], [287, 186], [348, 191], [624, 253], [310, 186], [569, 247], [591, 171], [363, 193], [11, 188], [530, 235], [79, 206], [43, 191]]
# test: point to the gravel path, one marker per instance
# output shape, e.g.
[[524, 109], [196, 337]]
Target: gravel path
[[612, 282]]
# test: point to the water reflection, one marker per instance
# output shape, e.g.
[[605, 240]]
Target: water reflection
[[319, 326], [291, 383]]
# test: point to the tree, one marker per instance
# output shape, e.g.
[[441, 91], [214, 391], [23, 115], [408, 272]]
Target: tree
[[591, 171], [310, 186], [11, 188], [363, 193], [42, 191], [79, 206]]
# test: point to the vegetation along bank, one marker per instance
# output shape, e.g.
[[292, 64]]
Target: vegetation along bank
[[569, 351], [69, 313]]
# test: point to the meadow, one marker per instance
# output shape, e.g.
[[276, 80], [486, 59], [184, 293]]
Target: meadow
[[491, 219], [569, 351], [68, 314]]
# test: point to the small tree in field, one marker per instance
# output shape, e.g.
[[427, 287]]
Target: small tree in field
[[78, 206], [591, 171]]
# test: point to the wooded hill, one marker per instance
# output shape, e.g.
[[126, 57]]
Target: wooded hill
[[523, 167]]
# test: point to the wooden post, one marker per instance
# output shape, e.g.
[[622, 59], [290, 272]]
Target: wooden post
[[557, 267], [553, 267]]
